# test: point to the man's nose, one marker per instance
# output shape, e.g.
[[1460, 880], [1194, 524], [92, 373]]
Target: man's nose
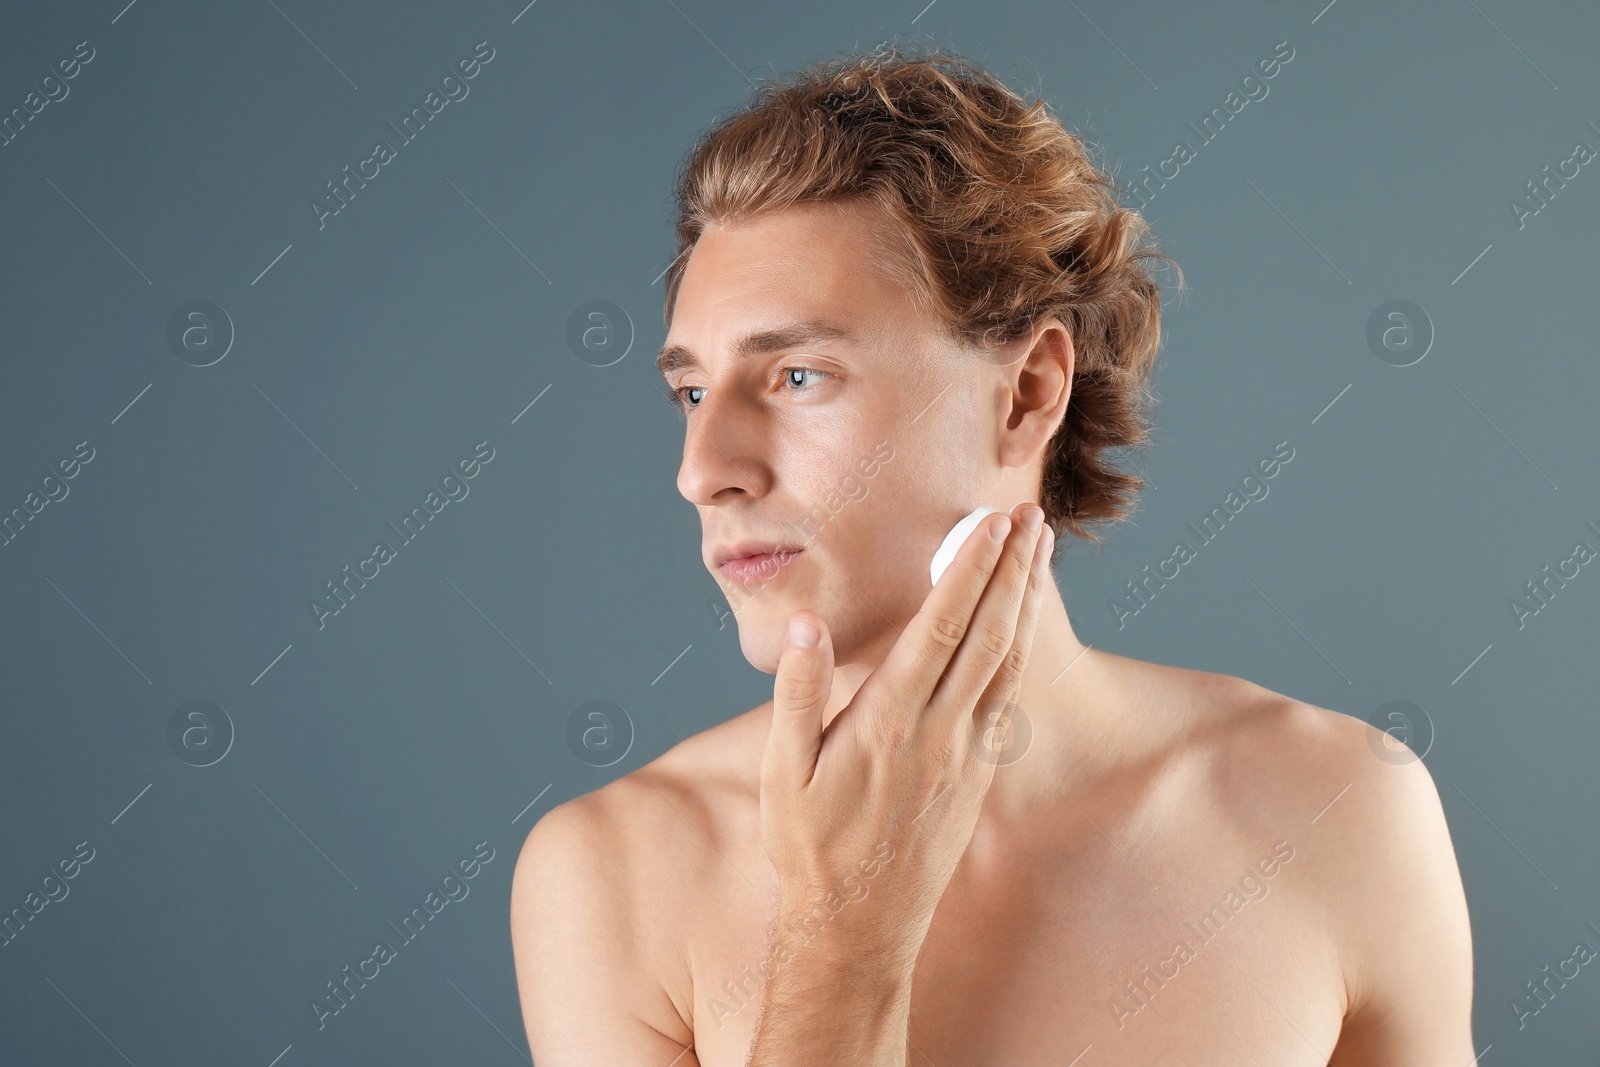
[[722, 451]]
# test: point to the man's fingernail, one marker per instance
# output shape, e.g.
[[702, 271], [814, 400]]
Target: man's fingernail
[[1041, 551], [802, 634]]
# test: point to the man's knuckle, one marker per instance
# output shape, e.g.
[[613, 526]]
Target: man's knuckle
[[799, 691], [947, 630], [995, 641]]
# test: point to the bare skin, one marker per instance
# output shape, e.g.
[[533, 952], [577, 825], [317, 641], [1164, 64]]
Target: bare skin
[[1177, 866]]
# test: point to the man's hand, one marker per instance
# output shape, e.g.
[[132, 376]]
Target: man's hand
[[900, 764]]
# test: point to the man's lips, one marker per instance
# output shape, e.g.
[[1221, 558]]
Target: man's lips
[[758, 566]]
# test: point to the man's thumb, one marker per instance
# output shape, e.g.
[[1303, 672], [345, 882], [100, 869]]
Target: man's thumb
[[800, 695]]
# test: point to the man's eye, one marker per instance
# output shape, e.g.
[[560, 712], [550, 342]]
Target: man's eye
[[688, 397], [790, 373], [679, 395]]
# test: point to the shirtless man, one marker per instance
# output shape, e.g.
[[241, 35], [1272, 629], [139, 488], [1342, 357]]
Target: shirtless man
[[956, 836]]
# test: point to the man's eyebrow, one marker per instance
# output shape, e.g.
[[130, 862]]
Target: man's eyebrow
[[789, 335]]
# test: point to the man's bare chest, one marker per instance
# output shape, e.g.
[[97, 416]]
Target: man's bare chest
[[1079, 950]]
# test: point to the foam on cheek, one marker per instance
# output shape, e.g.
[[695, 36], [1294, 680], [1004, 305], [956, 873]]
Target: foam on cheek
[[956, 538]]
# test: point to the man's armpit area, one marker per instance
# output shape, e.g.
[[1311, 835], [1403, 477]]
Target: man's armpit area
[[588, 989]]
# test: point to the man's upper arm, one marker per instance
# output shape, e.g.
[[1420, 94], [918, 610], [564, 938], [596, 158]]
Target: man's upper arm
[[587, 992], [1406, 920]]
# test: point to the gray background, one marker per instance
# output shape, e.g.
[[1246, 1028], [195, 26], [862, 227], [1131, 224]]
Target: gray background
[[372, 354]]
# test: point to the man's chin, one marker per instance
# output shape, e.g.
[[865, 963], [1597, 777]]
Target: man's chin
[[762, 645]]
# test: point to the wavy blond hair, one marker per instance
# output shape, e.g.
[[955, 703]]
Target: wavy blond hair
[[1004, 219]]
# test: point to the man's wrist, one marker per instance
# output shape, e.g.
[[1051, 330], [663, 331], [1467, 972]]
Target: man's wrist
[[849, 945], [837, 967]]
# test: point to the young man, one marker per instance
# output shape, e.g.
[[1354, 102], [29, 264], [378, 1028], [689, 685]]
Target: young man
[[956, 836]]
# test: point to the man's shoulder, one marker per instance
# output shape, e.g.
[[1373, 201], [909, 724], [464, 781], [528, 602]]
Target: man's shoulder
[[671, 808], [696, 778], [1299, 759], [1358, 804], [1298, 762], [614, 875], [1375, 866]]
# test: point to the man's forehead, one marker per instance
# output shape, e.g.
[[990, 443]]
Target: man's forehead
[[797, 278], [827, 251], [820, 253]]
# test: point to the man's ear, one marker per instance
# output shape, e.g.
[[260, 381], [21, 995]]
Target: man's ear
[[1038, 385]]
